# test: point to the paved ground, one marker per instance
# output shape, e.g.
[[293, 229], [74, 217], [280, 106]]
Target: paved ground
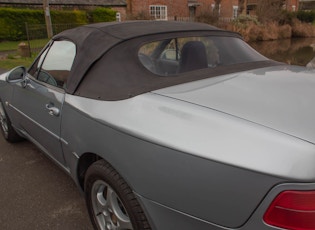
[[35, 194]]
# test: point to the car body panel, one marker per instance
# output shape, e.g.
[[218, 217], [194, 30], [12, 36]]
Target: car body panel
[[31, 115], [280, 98], [179, 220], [6, 91], [206, 133], [164, 165]]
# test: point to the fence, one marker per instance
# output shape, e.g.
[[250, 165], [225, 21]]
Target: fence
[[37, 34], [181, 19]]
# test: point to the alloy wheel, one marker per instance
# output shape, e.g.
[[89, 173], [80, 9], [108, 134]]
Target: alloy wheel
[[109, 211]]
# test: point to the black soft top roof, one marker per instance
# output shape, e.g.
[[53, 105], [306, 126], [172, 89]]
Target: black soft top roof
[[131, 29], [93, 41]]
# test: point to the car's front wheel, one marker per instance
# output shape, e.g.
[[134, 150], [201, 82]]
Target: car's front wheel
[[6, 127], [110, 201]]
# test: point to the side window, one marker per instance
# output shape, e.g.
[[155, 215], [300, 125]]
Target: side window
[[56, 65], [179, 55], [33, 71], [174, 56]]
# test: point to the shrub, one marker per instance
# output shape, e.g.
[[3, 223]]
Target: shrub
[[300, 29], [266, 32], [207, 17], [68, 17], [101, 15], [269, 10], [286, 17], [12, 21], [285, 31], [306, 16], [244, 20]]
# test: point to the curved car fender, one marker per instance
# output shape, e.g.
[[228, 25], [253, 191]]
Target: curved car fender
[[157, 170]]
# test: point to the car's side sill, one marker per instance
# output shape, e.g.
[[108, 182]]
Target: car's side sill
[[44, 150]]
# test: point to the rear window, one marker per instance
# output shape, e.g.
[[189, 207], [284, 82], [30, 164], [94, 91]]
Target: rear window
[[179, 55]]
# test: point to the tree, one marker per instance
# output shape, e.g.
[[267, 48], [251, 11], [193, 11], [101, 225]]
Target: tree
[[216, 10], [242, 7], [269, 10]]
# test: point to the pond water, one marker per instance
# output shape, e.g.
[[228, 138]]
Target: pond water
[[298, 51]]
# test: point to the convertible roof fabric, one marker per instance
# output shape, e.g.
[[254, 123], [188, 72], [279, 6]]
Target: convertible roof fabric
[[107, 66]]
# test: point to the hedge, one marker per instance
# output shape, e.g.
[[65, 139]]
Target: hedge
[[102, 15], [306, 16], [12, 21]]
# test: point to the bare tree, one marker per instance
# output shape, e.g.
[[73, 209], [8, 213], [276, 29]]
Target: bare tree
[[216, 10], [241, 6], [269, 10]]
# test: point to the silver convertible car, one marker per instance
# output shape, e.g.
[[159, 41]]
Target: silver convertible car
[[170, 126]]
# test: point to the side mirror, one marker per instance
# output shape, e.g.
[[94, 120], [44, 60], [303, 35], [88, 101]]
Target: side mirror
[[17, 75]]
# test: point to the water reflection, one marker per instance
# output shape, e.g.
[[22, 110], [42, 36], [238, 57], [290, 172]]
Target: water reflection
[[299, 51]]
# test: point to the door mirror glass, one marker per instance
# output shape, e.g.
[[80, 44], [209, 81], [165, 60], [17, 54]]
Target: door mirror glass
[[16, 75]]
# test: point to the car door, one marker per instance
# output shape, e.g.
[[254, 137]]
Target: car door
[[38, 104]]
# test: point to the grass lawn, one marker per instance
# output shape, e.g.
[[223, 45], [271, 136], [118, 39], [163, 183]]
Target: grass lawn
[[10, 63], [13, 45], [12, 60], [5, 46]]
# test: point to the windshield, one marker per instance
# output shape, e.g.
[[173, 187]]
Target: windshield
[[179, 55]]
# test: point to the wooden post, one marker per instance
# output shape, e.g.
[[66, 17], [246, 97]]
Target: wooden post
[[47, 18], [28, 39]]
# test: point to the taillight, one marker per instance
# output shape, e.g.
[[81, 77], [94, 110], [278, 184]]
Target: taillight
[[293, 210]]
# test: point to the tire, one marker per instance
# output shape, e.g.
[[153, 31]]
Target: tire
[[110, 201], [6, 127]]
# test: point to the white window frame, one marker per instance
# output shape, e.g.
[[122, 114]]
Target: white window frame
[[212, 6], [118, 17], [235, 11], [293, 8], [158, 12]]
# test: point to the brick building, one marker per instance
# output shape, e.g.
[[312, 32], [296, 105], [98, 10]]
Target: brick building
[[170, 9], [290, 5], [306, 4], [158, 9]]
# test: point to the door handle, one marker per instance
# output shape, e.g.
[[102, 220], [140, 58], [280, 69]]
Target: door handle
[[52, 110]]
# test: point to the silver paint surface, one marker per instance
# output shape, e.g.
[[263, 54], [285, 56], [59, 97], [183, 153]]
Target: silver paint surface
[[243, 121]]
